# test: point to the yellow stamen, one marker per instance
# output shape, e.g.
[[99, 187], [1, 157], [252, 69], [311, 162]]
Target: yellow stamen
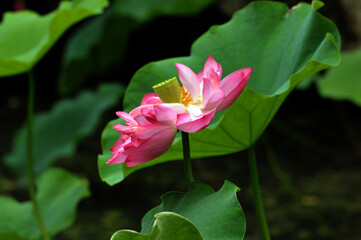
[[186, 97]]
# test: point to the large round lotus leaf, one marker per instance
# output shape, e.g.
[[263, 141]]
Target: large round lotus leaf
[[216, 215], [25, 36], [283, 46]]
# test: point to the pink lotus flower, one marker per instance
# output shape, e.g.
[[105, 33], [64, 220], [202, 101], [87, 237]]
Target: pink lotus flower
[[151, 127], [149, 134], [203, 94]]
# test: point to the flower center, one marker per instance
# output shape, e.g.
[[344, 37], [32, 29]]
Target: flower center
[[186, 97], [168, 91]]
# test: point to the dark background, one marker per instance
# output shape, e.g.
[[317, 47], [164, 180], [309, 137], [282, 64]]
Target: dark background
[[308, 158]]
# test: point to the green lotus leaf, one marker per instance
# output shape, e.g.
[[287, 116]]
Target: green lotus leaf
[[343, 82], [167, 225], [57, 132], [25, 36], [283, 46], [216, 215], [58, 194]]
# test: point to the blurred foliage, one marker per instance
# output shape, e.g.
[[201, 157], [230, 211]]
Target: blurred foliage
[[343, 82], [57, 132], [25, 36], [58, 194], [282, 46], [212, 213], [103, 40]]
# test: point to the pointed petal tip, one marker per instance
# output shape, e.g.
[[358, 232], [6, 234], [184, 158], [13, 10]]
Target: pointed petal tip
[[233, 85], [189, 79]]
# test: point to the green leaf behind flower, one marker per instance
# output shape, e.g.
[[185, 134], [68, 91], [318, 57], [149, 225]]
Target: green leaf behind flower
[[283, 46], [25, 36], [58, 195]]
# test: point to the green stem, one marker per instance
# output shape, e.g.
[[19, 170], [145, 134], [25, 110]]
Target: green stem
[[257, 194], [187, 158], [30, 157]]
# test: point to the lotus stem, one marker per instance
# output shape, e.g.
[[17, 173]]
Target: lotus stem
[[187, 158], [30, 157], [257, 194]]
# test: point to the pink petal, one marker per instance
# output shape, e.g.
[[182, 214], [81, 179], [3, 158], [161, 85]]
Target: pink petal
[[118, 145], [186, 125], [165, 115], [200, 76], [213, 102], [141, 114], [149, 131], [149, 114], [118, 150], [126, 117], [152, 147], [212, 64], [138, 110], [124, 129], [142, 120], [135, 142], [215, 79], [189, 80], [232, 86], [151, 98], [117, 158], [207, 90]]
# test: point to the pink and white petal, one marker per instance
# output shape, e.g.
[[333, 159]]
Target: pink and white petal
[[183, 118], [189, 80], [152, 147], [215, 79], [213, 102], [232, 86], [211, 63], [207, 91], [127, 117], [200, 76], [124, 129], [151, 98], [177, 107], [185, 125], [195, 112], [165, 115]]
